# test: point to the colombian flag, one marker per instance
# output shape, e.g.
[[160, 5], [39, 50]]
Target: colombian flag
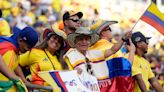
[[70, 81], [120, 73], [154, 17], [53, 78]]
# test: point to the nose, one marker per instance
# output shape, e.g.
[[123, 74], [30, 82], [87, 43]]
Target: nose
[[78, 22]]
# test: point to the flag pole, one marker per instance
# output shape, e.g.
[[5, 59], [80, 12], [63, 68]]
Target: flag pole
[[140, 17]]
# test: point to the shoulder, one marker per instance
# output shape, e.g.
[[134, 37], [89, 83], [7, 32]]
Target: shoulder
[[95, 53], [70, 51]]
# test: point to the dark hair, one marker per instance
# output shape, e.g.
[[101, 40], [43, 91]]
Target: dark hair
[[44, 45]]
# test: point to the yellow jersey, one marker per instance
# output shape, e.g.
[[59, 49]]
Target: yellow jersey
[[103, 45], [39, 60], [4, 28], [141, 66]]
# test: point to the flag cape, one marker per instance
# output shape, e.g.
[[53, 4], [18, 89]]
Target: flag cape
[[120, 72]]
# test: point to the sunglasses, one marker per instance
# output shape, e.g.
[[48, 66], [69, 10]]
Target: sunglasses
[[75, 20], [89, 67]]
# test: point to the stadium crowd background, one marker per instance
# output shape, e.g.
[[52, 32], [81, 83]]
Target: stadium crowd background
[[42, 13]]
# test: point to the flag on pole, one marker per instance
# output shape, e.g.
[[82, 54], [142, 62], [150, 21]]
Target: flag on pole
[[154, 17]]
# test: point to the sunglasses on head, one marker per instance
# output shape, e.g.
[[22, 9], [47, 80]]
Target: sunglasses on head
[[74, 20]]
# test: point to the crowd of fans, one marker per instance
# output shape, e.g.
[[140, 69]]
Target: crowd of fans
[[41, 14]]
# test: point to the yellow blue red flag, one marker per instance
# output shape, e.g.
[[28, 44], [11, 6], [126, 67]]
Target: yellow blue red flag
[[154, 17]]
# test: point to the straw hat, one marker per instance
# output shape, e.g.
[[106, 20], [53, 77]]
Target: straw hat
[[82, 31], [59, 32], [50, 31], [101, 24]]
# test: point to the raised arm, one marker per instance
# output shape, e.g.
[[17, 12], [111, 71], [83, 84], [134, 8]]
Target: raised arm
[[131, 48], [118, 45]]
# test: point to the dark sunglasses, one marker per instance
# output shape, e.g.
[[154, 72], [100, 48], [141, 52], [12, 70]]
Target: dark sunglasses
[[89, 67], [75, 20]]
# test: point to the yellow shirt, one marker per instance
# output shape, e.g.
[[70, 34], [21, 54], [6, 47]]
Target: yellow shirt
[[11, 60], [56, 4], [32, 16], [103, 45], [161, 82], [43, 18], [141, 66], [6, 6], [4, 28], [37, 60]]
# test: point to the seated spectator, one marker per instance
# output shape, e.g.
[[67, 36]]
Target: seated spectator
[[22, 41], [44, 57]]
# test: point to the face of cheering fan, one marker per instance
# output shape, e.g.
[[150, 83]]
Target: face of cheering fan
[[83, 42], [54, 42]]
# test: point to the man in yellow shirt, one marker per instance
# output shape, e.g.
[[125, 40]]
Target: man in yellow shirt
[[22, 41], [4, 26], [103, 29], [141, 64]]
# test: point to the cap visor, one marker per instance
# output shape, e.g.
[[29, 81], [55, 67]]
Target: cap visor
[[112, 22], [148, 37], [79, 14]]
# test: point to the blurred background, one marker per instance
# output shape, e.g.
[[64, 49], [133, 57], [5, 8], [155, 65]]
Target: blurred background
[[42, 13]]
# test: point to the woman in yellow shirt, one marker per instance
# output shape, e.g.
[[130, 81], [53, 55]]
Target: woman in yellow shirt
[[44, 57]]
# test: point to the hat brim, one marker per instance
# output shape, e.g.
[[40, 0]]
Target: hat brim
[[79, 14], [148, 37], [71, 38], [59, 32], [108, 23]]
